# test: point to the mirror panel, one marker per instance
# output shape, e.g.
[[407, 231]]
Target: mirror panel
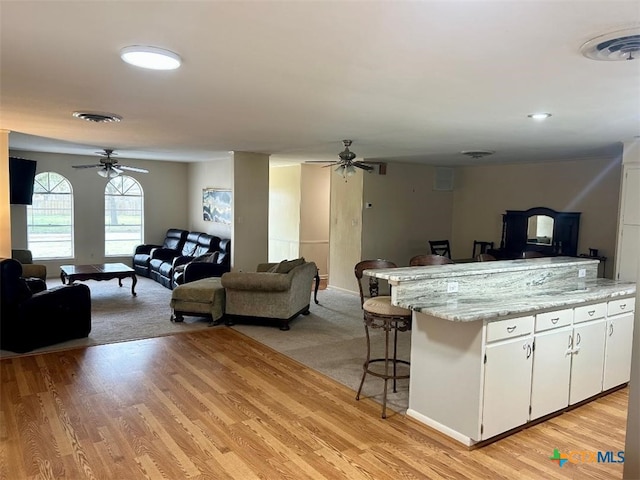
[[540, 230]]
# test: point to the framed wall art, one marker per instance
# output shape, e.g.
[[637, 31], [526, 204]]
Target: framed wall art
[[216, 205]]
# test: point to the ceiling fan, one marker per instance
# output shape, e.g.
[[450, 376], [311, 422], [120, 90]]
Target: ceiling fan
[[109, 167], [347, 165]]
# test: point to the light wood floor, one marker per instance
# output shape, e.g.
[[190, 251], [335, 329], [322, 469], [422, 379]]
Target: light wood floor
[[218, 405]]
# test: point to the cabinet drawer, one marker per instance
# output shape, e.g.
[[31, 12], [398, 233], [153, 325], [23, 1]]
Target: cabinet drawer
[[589, 312], [513, 327], [548, 320], [623, 305]]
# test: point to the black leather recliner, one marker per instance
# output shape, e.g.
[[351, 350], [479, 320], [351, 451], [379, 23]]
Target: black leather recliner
[[32, 320], [174, 240], [195, 270], [164, 260]]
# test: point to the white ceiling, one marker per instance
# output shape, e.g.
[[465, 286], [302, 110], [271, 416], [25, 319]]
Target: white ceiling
[[407, 81]]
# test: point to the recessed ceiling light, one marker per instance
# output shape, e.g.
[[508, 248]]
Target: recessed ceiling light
[[153, 58], [539, 116]]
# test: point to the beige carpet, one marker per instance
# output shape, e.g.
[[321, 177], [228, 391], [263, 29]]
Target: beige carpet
[[330, 340], [118, 316]]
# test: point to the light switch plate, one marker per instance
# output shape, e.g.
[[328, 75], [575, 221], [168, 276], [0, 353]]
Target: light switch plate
[[452, 287], [582, 272]]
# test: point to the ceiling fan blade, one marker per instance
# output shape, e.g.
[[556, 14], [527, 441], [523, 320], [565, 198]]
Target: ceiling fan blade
[[332, 164], [87, 166], [368, 168], [133, 169], [117, 169]]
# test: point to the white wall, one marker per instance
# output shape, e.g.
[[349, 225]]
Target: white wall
[[213, 174], [250, 229], [314, 216], [345, 230], [590, 186], [406, 213], [284, 212], [5, 211], [165, 203]]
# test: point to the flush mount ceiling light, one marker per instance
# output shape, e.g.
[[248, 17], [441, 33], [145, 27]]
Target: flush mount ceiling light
[[98, 117], [539, 116], [614, 46], [477, 153], [153, 58]]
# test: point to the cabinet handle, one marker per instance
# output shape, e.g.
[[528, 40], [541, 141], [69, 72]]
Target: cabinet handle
[[623, 306], [578, 342], [610, 329], [555, 320], [511, 329], [529, 350], [570, 342], [591, 312]]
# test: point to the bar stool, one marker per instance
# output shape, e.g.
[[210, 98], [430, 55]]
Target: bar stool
[[380, 313]]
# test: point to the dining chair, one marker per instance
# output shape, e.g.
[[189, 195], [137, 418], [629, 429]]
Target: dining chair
[[380, 313], [482, 246], [440, 247], [485, 257], [429, 259]]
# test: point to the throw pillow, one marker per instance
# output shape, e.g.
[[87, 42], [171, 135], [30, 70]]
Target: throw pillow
[[207, 258], [287, 266], [274, 269]]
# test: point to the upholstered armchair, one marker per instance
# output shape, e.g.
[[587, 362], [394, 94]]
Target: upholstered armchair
[[276, 291], [29, 269], [31, 320], [173, 240]]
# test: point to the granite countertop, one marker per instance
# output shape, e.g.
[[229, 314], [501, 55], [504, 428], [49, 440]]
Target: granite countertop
[[406, 274], [461, 308]]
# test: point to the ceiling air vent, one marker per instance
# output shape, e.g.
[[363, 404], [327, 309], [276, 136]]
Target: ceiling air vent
[[619, 45], [477, 153], [97, 117]]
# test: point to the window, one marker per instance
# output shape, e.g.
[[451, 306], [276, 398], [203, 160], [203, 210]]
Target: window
[[50, 217], [123, 207]]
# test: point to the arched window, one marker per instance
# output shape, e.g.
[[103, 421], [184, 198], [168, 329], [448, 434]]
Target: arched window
[[123, 216], [50, 217]]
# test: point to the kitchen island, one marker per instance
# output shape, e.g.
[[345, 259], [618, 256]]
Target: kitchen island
[[496, 345]]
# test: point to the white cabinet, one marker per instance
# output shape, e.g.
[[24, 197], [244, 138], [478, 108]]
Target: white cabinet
[[508, 355], [587, 360], [617, 361], [507, 385], [475, 380], [551, 371]]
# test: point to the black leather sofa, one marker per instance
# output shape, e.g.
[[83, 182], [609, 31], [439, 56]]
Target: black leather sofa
[[30, 320], [164, 261], [174, 239], [195, 270]]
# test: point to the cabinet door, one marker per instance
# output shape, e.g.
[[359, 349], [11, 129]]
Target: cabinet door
[[617, 360], [507, 385], [551, 372], [587, 360]]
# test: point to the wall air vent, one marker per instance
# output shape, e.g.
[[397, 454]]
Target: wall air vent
[[98, 117], [614, 46]]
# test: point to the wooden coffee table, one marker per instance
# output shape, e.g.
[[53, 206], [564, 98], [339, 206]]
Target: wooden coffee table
[[102, 271]]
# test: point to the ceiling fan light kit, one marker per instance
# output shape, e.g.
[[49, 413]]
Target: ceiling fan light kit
[[153, 58], [109, 167]]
